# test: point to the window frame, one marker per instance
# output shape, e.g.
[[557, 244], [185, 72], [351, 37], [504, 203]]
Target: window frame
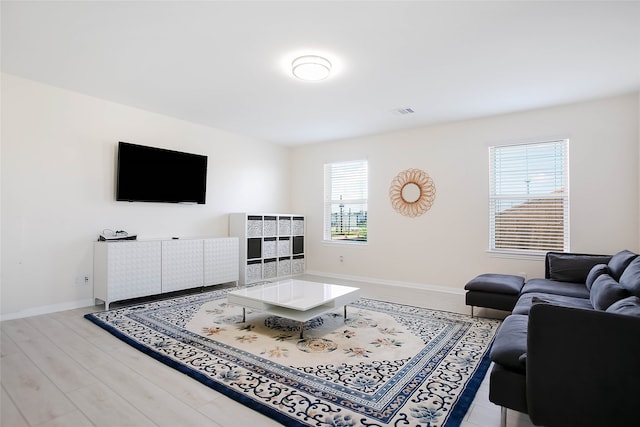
[[548, 199], [330, 201]]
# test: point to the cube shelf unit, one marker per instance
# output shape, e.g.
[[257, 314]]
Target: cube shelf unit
[[271, 245]]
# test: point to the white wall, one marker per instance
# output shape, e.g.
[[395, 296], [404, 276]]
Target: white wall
[[58, 163], [448, 245]]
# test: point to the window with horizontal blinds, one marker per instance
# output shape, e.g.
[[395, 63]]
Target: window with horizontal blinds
[[529, 197], [345, 201]]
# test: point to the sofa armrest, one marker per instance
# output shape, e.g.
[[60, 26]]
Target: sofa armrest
[[570, 266], [583, 367]]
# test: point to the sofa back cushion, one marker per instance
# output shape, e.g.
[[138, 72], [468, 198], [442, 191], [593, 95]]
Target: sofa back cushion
[[596, 271], [630, 279], [571, 267], [629, 306], [605, 291], [619, 262]]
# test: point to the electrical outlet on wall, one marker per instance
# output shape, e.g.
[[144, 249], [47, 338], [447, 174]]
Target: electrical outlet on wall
[[83, 280]]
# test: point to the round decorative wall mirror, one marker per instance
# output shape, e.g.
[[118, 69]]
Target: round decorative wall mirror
[[412, 192]]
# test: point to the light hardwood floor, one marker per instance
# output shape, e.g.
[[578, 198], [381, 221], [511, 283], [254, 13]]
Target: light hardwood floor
[[62, 370]]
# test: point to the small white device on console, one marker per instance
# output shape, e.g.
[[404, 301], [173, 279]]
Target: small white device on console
[[110, 235]]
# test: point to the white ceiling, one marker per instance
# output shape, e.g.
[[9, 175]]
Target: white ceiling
[[225, 64]]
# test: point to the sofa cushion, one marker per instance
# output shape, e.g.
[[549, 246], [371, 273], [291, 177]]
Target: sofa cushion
[[596, 271], [629, 306], [526, 301], [630, 279], [496, 283], [619, 262], [546, 286], [605, 291], [571, 267], [510, 345]]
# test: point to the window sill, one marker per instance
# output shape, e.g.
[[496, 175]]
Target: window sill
[[354, 243], [526, 255]]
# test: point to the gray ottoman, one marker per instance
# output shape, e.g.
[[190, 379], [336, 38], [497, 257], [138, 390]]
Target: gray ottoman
[[497, 291]]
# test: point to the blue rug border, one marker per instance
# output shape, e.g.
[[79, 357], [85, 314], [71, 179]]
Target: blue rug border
[[471, 389], [455, 418]]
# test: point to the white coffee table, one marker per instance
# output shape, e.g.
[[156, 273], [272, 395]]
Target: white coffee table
[[294, 299]]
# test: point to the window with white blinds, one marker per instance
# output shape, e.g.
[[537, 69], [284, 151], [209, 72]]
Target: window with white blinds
[[529, 197], [345, 201]]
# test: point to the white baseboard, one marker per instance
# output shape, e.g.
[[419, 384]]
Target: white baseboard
[[46, 309], [392, 283]]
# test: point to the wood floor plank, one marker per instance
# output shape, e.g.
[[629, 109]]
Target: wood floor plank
[[75, 321], [7, 345], [181, 386], [229, 413], [63, 371], [158, 405], [20, 329], [70, 342], [10, 415], [52, 328], [104, 407], [72, 419], [37, 398]]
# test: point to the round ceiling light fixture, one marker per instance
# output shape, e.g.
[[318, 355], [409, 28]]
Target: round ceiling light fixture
[[311, 68]]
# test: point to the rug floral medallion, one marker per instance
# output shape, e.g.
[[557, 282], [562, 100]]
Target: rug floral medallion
[[385, 365]]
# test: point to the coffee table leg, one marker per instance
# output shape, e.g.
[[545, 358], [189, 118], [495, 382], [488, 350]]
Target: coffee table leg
[[345, 313], [244, 314], [301, 329]]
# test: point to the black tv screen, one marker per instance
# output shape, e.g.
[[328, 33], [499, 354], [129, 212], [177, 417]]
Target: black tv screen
[[150, 174]]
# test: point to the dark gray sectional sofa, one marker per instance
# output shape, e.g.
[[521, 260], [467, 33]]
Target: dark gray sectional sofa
[[569, 354]]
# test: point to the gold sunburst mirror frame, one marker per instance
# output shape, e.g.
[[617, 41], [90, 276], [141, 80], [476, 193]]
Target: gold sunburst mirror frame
[[412, 192]]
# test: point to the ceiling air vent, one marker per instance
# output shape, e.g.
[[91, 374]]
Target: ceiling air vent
[[403, 111]]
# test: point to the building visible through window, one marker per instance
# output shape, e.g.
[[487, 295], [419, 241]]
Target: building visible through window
[[529, 197], [345, 201]]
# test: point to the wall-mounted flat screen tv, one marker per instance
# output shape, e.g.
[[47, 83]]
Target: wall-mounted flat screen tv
[[150, 174]]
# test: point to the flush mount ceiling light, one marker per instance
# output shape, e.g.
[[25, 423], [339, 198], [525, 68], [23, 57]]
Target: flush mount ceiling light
[[311, 68]]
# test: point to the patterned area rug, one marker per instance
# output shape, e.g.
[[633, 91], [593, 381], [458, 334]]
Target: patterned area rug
[[387, 364]]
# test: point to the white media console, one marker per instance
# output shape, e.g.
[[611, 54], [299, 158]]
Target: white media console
[[137, 268]]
